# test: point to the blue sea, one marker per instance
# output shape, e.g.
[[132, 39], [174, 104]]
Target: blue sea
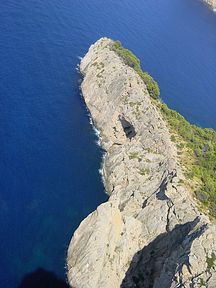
[[49, 158]]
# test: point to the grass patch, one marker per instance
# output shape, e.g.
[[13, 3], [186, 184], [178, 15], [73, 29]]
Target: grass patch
[[143, 171], [131, 60], [202, 282], [210, 261], [135, 155]]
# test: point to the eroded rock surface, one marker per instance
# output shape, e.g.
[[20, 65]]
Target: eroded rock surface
[[150, 233]]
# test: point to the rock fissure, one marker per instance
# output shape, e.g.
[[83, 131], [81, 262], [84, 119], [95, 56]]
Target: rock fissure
[[170, 205]]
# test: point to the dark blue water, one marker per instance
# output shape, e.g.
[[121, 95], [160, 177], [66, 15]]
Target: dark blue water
[[49, 160]]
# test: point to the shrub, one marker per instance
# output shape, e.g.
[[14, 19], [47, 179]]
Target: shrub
[[201, 142], [210, 261], [202, 146], [151, 85], [131, 60]]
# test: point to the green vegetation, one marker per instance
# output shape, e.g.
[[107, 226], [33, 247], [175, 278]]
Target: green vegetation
[[131, 60], [151, 85], [135, 155], [196, 146], [173, 138], [202, 283], [143, 171], [210, 261], [201, 145]]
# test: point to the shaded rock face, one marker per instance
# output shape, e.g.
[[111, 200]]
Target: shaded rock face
[[165, 249], [149, 234]]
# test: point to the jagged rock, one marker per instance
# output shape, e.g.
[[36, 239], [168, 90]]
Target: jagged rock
[[150, 232]]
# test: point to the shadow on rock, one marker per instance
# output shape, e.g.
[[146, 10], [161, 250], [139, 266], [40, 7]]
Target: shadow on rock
[[41, 278], [157, 263]]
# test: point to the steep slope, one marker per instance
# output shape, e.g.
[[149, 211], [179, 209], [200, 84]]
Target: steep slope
[[149, 233]]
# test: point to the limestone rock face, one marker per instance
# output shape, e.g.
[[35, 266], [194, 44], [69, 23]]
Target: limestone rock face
[[212, 3], [149, 233]]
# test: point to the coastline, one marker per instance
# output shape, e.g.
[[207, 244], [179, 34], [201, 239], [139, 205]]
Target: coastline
[[141, 207]]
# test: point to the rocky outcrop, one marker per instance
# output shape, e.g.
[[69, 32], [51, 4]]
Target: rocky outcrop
[[150, 232], [211, 3]]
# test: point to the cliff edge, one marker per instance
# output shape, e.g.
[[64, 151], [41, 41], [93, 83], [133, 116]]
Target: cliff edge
[[150, 232]]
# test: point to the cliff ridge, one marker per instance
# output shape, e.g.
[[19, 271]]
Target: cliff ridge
[[150, 232]]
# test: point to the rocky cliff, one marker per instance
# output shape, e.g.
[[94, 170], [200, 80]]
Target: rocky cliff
[[150, 232], [211, 3]]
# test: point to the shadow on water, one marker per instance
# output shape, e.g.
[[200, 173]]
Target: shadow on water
[[41, 278], [157, 263]]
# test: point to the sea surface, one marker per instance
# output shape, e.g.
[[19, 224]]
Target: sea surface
[[49, 158]]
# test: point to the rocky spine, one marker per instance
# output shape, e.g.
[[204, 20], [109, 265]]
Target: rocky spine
[[150, 232]]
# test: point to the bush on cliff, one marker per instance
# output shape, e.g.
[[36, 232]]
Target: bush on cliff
[[201, 143], [202, 146], [151, 85], [131, 60], [127, 56]]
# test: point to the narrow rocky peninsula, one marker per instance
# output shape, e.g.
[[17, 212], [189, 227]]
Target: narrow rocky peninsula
[[211, 3], [150, 233]]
